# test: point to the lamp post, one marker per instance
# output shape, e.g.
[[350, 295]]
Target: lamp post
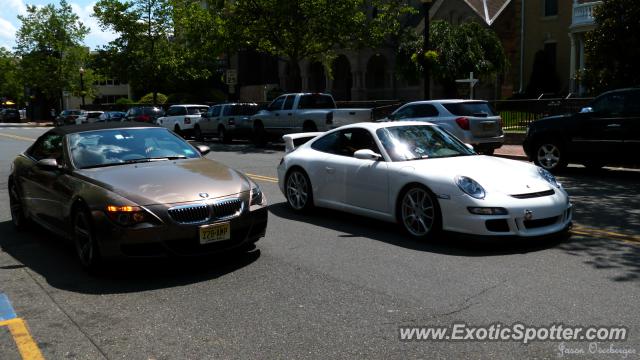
[[82, 85], [426, 6]]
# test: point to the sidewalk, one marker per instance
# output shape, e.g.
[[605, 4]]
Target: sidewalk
[[514, 152], [26, 124]]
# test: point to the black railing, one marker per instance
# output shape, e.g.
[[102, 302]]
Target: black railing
[[518, 114]]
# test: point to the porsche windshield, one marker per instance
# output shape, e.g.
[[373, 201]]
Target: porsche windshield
[[121, 146], [413, 142]]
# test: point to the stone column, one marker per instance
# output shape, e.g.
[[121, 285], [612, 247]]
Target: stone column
[[572, 64]]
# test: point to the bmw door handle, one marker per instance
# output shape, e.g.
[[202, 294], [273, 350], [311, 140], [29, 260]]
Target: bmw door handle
[[330, 170], [614, 125]]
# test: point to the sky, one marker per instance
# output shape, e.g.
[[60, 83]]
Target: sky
[[9, 23]]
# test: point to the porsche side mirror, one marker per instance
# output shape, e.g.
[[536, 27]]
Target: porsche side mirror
[[203, 149], [48, 164], [469, 146], [366, 154]]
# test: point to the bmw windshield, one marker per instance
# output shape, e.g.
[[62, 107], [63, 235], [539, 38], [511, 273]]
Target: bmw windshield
[[414, 142], [124, 146]]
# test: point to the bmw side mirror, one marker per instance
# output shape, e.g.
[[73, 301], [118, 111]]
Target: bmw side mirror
[[586, 110], [48, 164], [366, 154], [203, 149]]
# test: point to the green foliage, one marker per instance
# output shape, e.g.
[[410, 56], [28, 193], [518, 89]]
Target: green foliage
[[10, 83], [124, 101], [148, 99], [49, 42], [312, 29], [142, 53], [613, 48], [454, 51]]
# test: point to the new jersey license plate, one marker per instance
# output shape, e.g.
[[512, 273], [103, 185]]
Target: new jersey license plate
[[215, 232]]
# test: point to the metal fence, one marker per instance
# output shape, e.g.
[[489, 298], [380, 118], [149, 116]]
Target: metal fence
[[518, 114]]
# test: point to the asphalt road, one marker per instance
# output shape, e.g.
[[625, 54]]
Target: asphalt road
[[329, 285]]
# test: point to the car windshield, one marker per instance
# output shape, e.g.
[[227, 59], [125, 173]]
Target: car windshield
[[413, 142], [470, 108], [122, 146]]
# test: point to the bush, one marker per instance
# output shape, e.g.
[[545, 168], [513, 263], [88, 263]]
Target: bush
[[124, 101], [148, 99]]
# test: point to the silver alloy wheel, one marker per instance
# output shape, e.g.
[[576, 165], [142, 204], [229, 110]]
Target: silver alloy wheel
[[418, 212], [297, 190], [548, 156], [84, 240], [15, 204]]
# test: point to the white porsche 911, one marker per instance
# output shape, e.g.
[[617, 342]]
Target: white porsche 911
[[423, 178]]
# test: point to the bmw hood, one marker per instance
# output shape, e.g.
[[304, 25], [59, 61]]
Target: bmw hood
[[168, 182], [494, 174]]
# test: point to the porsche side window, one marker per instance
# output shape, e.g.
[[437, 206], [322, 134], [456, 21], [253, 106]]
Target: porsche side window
[[353, 140], [327, 143]]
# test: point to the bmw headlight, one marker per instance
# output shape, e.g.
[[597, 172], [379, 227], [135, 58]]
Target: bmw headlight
[[470, 187], [549, 177], [257, 197]]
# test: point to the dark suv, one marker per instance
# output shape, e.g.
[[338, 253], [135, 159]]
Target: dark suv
[[10, 115], [148, 114], [607, 131]]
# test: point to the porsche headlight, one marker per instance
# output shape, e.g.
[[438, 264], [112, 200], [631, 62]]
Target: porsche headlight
[[549, 177], [257, 197], [470, 187]]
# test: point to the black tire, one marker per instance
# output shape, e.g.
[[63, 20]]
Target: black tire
[[488, 151], [298, 190], [259, 136], [550, 155], [418, 212], [86, 245], [176, 129], [197, 133], [18, 218], [309, 126], [224, 136]]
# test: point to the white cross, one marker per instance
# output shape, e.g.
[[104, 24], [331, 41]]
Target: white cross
[[472, 82]]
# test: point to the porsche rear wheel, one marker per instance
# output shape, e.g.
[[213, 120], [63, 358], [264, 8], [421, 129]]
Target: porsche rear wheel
[[419, 213], [298, 190]]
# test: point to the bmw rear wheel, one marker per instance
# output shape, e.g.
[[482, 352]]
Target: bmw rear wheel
[[298, 190], [419, 212]]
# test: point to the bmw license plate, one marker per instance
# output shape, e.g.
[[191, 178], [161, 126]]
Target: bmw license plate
[[215, 232]]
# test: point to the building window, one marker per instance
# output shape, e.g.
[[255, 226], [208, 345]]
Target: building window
[[550, 7]]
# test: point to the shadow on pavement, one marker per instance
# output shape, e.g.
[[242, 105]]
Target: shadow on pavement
[[54, 259], [446, 244]]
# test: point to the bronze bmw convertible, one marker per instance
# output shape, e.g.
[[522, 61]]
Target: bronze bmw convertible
[[133, 190]]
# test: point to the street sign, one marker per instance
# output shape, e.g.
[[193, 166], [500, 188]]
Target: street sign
[[231, 77], [471, 81]]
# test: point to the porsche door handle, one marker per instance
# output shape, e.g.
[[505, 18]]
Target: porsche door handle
[[330, 170]]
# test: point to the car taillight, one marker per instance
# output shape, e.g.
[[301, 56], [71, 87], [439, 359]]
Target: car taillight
[[329, 118], [144, 118], [463, 122], [187, 120]]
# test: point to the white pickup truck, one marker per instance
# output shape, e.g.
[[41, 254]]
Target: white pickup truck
[[303, 112]]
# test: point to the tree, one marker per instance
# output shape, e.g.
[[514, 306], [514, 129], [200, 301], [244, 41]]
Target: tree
[[49, 43], [142, 52], [294, 30], [612, 49], [11, 87], [456, 51]]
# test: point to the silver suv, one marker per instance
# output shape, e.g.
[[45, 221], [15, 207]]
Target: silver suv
[[472, 121]]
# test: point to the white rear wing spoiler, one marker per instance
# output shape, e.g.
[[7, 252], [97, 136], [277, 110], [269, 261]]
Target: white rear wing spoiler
[[291, 141]]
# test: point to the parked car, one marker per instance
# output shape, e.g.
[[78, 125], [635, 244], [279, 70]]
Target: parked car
[[112, 116], [472, 121], [227, 121], [146, 114], [605, 132], [303, 112], [182, 118], [130, 190], [68, 117], [10, 115], [89, 117], [423, 178]]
